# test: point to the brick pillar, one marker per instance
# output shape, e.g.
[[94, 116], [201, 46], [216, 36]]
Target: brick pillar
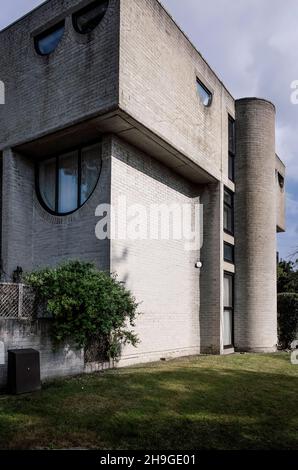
[[255, 227]]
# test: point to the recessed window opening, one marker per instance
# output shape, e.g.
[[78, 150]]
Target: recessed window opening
[[46, 42], [229, 253], [204, 94], [281, 180], [228, 320], [89, 17], [228, 212], [232, 149], [65, 182]]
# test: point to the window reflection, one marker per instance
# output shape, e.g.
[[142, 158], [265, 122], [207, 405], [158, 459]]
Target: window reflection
[[46, 42], [86, 19], [67, 181]]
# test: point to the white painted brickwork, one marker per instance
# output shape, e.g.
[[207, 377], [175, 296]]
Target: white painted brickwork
[[161, 274]]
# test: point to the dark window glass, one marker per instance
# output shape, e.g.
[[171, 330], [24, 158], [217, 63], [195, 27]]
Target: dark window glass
[[204, 94], [47, 182], [67, 181], [228, 253], [229, 211], [231, 167], [46, 42], [281, 180], [228, 319], [86, 19], [232, 149], [90, 168]]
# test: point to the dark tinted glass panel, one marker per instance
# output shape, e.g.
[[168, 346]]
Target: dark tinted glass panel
[[204, 93], [68, 183], [281, 181], [90, 169], [228, 317], [47, 182], [229, 253], [231, 135], [47, 42], [229, 211], [232, 149], [86, 19], [231, 167]]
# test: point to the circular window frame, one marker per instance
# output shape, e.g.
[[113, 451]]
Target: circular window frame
[[86, 8], [56, 156]]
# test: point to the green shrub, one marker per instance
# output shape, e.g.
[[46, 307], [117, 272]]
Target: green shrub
[[287, 306], [87, 306]]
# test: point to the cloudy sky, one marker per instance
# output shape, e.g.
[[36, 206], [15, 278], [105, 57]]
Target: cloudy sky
[[253, 47]]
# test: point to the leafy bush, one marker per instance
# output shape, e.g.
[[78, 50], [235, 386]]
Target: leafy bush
[[287, 277], [287, 306], [88, 306]]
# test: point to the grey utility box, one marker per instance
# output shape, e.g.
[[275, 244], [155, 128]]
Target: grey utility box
[[23, 371]]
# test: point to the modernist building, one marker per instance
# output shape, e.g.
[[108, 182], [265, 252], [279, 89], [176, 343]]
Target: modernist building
[[109, 98]]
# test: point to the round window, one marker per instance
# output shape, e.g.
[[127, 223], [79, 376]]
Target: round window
[[65, 182]]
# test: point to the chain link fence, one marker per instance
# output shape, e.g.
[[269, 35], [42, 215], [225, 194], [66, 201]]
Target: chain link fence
[[18, 301]]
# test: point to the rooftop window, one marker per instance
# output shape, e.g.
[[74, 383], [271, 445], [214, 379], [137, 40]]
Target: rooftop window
[[86, 19], [281, 180], [46, 42], [204, 94]]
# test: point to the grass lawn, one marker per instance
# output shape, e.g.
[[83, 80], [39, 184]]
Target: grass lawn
[[208, 402]]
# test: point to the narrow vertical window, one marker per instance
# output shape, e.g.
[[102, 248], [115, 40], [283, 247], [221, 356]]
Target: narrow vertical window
[[228, 319], [232, 149], [47, 182], [204, 94], [228, 212], [68, 183]]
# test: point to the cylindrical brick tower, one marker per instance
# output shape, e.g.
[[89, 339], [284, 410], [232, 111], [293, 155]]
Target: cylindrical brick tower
[[255, 227]]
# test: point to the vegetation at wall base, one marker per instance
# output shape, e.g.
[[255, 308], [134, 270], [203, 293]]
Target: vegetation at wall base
[[86, 305], [287, 303]]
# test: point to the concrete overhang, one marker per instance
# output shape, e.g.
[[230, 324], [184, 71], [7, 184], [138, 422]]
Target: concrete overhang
[[120, 124]]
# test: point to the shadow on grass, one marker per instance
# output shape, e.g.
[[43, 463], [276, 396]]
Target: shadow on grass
[[180, 408]]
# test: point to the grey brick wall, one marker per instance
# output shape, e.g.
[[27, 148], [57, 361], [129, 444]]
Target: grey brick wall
[[138, 60], [158, 70], [32, 237], [160, 273], [211, 272], [17, 334], [255, 227], [47, 93]]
